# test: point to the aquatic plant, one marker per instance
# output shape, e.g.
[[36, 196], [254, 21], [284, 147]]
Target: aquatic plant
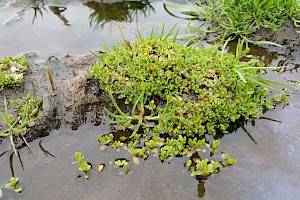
[[12, 185], [85, 167], [242, 17], [12, 70], [122, 163], [182, 94], [17, 126]]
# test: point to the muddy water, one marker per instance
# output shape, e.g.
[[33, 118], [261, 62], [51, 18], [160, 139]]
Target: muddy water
[[267, 170]]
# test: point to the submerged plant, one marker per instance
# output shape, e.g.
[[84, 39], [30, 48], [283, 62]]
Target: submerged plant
[[179, 95], [17, 126], [85, 167], [12, 70]]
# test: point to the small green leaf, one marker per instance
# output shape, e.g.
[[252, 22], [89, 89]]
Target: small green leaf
[[14, 181], [18, 189], [85, 167], [189, 154], [195, 173], [78, 156], [8, 186], [188, 163], [216, 144]]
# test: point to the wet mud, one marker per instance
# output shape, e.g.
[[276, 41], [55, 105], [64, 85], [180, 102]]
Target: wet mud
[[76, 99], [288, 37]]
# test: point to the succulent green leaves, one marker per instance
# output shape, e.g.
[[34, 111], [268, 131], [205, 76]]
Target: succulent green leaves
[[178, 95], [12, 70], [85, 167]]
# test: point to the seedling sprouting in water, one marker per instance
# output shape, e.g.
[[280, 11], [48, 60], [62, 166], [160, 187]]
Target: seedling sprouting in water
[[85, 167], [13, 185]]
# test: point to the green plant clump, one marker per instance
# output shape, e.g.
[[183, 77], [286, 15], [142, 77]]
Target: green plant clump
[[12, 70], [184, 91], [17, 126], [242, 17]]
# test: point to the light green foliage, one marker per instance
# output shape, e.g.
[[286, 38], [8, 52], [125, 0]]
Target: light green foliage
[[204, 168], [139, 152], [227, 159], [84, 165], [241, 17], [105, 139], [13, 185], [122, 163], [12, 70], [178, 95], [202, 90], [17, 126]]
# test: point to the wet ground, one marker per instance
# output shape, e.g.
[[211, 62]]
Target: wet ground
[[267, 170]]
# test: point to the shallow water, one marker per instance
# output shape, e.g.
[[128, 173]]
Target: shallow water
[[267, 170], [75, 27]]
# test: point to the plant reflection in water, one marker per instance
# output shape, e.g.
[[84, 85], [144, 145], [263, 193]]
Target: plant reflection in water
[[125, 11], [57, 10], [102, 12]]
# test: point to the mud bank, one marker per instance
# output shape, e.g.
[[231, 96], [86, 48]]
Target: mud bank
[[74, 101]]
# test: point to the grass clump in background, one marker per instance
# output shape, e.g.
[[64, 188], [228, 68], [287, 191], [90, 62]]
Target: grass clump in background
[[180, 96], [240, 17]]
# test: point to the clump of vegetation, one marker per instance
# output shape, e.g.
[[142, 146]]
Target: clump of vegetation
[[241, 17], [12, 70], [85, 167], [17, 126], [179, 95]]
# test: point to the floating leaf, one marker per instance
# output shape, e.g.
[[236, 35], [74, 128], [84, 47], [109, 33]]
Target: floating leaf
[[18, 189], [136, 160], [101, 167], [102, 147], [122, 138], [8, 186], [122, 173]]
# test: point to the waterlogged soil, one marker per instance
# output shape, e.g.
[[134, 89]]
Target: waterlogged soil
[[72, 118]]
